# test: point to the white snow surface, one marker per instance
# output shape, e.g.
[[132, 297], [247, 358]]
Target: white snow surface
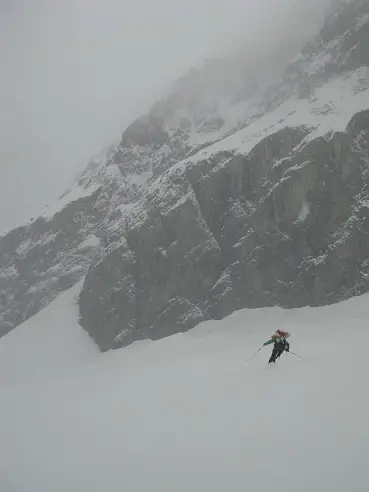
[[71, 195], [329, 110], [46, 346], [187, 412], [91, 242]]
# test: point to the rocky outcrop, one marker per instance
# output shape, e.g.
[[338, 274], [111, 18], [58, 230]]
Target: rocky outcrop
[[109, 302], [174, 261], [285, 225], [44, 258], [340, 47]]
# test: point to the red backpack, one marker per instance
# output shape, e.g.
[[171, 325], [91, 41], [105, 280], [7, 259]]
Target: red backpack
[[282, 333]]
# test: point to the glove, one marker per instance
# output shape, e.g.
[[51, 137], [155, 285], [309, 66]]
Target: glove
[[287, 349]]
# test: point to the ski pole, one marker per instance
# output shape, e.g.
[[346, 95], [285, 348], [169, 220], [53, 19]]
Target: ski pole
[[248, 360], [298, 356]]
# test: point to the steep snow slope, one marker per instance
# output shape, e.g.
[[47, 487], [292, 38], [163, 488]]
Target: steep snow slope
[[328, 110], [48, 345], [188, 412]]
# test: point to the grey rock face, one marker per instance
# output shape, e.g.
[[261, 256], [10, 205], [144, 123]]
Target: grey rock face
[[176, 261], [338, 48], [109, 307], [44, 258], [285, 225], [179, 315]]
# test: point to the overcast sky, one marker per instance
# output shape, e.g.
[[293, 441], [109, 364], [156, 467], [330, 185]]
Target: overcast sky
[[74, 73]]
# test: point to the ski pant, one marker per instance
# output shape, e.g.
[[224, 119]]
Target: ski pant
[[278, 350]]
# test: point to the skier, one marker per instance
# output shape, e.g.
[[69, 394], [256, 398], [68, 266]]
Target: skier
[[280, 344]]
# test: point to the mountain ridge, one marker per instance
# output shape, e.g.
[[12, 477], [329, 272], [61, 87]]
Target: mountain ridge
[[221, 176]]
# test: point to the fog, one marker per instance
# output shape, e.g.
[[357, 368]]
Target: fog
[[74, 73]]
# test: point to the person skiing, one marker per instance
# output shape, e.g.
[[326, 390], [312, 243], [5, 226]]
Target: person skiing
[[280, 344]]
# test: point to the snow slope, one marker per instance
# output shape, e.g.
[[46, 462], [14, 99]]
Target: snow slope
[[187, 412], [329, 110], [48, 346]]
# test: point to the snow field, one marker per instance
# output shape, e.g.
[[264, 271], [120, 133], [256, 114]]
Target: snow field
[[187, 412]]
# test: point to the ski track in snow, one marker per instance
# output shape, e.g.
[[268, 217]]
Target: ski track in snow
[[187, 412]]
